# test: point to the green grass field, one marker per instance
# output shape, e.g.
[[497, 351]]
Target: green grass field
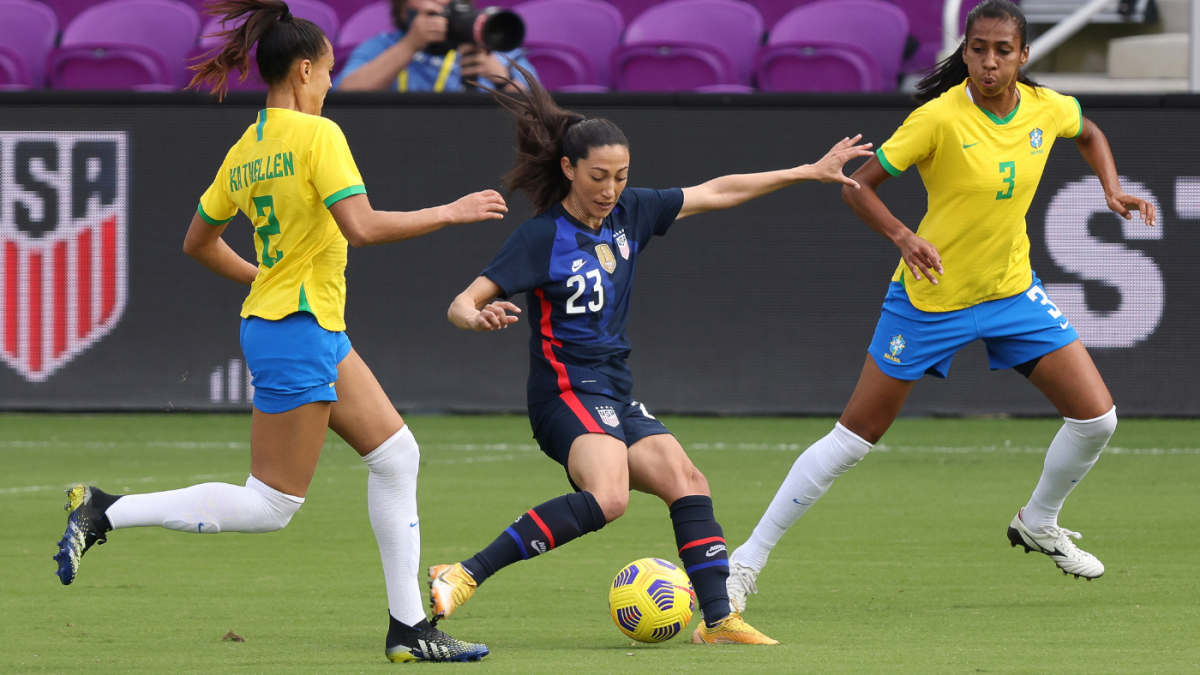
[[902, 568]]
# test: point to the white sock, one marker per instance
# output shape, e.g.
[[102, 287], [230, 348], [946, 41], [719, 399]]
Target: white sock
[[810, 477], [208, 508], [392, 503], [1075, 449]]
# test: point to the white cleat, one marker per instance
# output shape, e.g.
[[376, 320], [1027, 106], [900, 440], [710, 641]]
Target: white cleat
[[1056, 543], [740, 583]]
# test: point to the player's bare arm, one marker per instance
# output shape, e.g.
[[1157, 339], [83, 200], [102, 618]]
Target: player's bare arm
[[729, 191], [364, 226], [920, 255], [1093, 145], [475, 308], [204, 244]]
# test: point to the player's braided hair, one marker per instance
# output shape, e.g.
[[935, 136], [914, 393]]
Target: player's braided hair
[[545, 134], [953, 69], [281, 39]]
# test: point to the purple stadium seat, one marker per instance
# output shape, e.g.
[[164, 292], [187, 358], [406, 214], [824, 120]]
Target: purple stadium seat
[[632, 9], [348, 8], [126, 44], [67, 10], [365, 24], [773, 10], [925, 22], [27, 33], [683, 45], [571, 42], [835, 45]]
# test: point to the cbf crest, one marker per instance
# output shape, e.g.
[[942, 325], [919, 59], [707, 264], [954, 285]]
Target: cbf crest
[[63, 267], [1035, 139], [605, 255], [896, 346]]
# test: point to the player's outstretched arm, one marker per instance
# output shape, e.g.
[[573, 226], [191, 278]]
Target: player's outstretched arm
[[204, 243], [729, 191], [475, 308], [1094, 147], [364, 226], [920, 255]]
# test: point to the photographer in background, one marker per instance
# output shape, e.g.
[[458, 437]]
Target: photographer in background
[[408, 58]]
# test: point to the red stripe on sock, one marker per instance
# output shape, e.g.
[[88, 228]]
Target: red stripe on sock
[[545, 530], [564, 383], [701, 542]]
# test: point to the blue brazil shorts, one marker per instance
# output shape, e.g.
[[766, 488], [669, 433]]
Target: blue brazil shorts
[[292, 361], [558, 422], [909, 343]]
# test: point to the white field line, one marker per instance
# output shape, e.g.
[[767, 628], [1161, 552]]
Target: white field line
[[491, 447], [188, 445], [942, 449]]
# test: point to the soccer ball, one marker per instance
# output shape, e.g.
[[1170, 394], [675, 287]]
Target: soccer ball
[[651, 600]]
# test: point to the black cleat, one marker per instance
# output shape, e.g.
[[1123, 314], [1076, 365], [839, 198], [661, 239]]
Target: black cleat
[[86, 526], [427, 643]]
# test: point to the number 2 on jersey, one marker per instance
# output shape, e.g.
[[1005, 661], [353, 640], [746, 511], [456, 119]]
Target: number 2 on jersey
[[1011, 169], [261, 204], [597, 302]]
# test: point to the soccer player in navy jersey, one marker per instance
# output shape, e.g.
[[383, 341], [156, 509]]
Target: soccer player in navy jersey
[[575, 261]]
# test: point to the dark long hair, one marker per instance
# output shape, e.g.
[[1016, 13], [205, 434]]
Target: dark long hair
[[953, 69], [545, 134], [281, 39]]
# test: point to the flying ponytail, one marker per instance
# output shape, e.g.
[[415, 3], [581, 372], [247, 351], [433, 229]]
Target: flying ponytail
[[952, 70], [281, 39], [545, 134]]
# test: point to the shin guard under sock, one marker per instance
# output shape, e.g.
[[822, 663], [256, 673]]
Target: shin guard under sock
[[538, 530], [701, 545]]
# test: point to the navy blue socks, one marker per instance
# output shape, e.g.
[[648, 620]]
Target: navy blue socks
[[701, 545], [540, 529]]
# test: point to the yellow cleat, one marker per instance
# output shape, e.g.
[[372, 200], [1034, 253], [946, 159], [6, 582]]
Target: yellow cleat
[[449, 587], [732, 630]]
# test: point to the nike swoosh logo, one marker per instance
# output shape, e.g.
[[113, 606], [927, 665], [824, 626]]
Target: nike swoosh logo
[[800, 502], [1064, 325], [413, 523], [965, 146]]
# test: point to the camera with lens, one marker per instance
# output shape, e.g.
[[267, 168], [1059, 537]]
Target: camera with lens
[[492, 28]]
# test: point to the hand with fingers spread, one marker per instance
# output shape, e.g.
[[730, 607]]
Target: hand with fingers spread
[[829, 167], [476, 207], [1122, 203], [493, 317], [921, 257]]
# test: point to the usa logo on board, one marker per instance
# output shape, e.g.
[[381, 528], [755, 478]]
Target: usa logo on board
[[63, 266]]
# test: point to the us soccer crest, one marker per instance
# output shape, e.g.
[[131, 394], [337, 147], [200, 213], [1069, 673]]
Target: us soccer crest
[[623, 244], [1035, 138], [605, 255], [609, 416], [63, 267]]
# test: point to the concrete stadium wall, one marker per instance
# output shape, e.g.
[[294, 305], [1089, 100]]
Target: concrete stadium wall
[[763, 309]]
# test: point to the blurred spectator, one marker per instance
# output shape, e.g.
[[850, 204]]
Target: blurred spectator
[[399, 60]]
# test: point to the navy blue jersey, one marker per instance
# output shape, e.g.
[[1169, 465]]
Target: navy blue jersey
[[578, 282]]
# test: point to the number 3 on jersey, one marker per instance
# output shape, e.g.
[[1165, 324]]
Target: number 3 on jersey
[[1009, 168], [597, 302], [261, 204]]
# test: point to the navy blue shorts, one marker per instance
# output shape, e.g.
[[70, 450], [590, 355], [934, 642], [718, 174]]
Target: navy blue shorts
[[558, 422], [292, 361], [909, 343]]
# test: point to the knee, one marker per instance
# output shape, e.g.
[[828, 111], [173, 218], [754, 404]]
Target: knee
[[276, 508], [612, 503], [1098, 429], [697, 483]]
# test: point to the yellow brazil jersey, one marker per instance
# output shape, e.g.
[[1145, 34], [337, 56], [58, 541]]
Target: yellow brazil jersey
[[980, 172], [284, 174]]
